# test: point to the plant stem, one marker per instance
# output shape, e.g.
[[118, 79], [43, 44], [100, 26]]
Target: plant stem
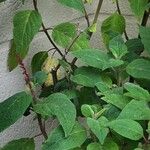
[[97, 11], [96, 14], [94, 22], [28, 83], [46, 32], [119, 11], [86, 17]]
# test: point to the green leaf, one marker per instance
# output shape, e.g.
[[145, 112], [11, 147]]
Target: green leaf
[[75, 4], [71, 94], [112, 26], [127, 128], [136, 92], [97, 58], [102, 87], [40, 77], [38, 60], [117, 100], [112, 112], [135, 47], [108, 145], [94, 146], [98, 127], [59, 105], [118, 47], [136, 110], [58, 141], [66, 33], [87, 76], [13, 108], [138, 7], [145, 37], [87, 110], [26, 26], [139, 68], [12, 61], [21, 144]]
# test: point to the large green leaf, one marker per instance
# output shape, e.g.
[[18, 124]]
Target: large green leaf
[[139, 68], [145, 37], [75, 4], [59, 105], [136, 110], [112, 26], [117, 100], [58, 141], [136, 92], [65, 33], [21, 144], [118, 47], [38, 60], [127, 128], [26, 25], [87, 76], [98, 127], [13, 108], [138, 7], [97, 58]]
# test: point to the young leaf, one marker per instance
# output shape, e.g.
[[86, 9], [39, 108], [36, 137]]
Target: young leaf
[[138, 7], [59, 105], [97, 58], [87, 110], [112, 26], [75, 4], [145, 37], [26, 26], [58, 141], [13, 108], [99, 128], [117, 100], [87, 76], [118, 47], [136, 92], [38, 60], [136, 110], [65, 33], [139, 68], [127, 128], [21, 144]]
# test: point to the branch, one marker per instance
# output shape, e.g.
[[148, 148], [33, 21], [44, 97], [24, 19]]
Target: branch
[[96, 14], [45, 30], [86, 17], [119, 11]]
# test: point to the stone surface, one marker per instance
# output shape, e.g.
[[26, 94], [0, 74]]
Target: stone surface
[[53, 13]]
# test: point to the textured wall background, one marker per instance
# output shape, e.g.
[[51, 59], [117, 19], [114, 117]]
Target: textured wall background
[[53, 13]]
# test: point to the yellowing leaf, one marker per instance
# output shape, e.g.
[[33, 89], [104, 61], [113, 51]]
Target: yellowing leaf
[[50, 64]]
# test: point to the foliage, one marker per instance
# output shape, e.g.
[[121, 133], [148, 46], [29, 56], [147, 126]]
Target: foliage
[[103, 104]]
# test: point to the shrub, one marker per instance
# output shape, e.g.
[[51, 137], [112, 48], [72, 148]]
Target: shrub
[[105, 103]]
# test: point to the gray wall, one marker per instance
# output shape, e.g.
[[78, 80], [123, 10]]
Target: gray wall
[[53, 13]]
